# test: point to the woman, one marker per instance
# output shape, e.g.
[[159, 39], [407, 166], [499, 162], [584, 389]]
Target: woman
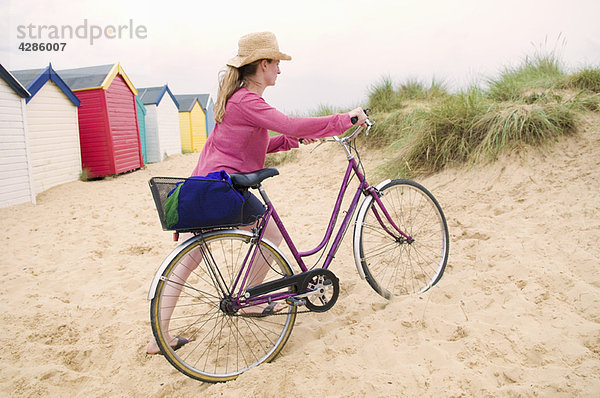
[[241, 140]]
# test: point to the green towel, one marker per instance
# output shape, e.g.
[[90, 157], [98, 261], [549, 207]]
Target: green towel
[[171, 212]]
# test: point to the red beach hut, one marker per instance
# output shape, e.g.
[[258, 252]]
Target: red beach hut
[[108, 125]]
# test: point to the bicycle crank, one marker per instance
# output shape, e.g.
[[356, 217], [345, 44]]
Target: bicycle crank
[[319, 290]]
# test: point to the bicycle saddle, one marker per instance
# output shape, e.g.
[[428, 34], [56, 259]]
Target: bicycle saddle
[[252, 179]]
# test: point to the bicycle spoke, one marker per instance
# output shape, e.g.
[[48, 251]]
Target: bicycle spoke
[[187, 286]]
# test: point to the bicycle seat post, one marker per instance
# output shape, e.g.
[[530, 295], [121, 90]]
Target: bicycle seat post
[[263, 193]]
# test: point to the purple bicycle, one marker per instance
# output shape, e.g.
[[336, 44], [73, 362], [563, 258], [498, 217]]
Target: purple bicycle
[[203, 289]]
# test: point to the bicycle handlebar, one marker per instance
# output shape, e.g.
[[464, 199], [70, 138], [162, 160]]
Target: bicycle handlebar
[[343, 141]]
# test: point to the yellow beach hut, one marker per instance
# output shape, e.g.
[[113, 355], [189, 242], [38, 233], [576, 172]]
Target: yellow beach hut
[[192, 123]]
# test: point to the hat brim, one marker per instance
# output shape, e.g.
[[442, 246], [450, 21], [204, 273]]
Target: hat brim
[[239, 61]]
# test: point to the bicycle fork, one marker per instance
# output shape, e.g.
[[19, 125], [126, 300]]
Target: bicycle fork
[[399, 235]]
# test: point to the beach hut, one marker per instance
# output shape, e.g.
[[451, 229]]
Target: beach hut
[[162, 122], [16, 183], [53, 131], [141, 115], [192, 123], [208, 106], [108, 124]]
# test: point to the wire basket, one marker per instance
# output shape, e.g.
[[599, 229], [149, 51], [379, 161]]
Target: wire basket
[[162, 187]]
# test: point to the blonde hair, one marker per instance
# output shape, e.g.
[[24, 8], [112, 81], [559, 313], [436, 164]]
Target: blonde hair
[[230, 81]]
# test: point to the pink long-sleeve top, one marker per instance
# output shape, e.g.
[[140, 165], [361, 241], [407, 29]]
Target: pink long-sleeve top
[[241, 141]]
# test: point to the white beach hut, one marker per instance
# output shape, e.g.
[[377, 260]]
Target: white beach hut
[[162, 122], [16, 185], [53, 135]]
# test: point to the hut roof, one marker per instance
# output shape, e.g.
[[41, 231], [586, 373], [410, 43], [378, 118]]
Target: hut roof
[[153, 95], [13, 83], [34, 80], [93, 77], [187, 102], [203, 99]]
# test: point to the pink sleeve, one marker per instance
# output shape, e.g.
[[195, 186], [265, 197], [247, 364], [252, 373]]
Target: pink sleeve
[[261, 114], [281, 143]]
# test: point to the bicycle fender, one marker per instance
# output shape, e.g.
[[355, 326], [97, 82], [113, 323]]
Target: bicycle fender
[[356, 238], [166, 262]]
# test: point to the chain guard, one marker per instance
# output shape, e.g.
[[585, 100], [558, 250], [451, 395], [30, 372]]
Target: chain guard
[[320, 289]]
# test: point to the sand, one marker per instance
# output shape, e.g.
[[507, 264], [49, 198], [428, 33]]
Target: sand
[[517, 312]]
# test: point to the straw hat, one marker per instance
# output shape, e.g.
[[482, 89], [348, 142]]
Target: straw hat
[[255, 46]]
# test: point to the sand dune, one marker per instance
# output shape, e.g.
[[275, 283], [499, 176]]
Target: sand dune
[[517, 312]]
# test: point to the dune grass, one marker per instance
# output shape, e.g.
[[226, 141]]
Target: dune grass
[[468, 127], [445, 133], [585, 79], [385, 96], [537, 73], [532, 104], [414, 89]]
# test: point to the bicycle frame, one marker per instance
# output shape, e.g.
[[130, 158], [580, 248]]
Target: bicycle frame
[[363, 188]]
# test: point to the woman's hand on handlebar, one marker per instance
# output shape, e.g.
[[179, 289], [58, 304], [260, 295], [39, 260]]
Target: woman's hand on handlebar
[[360, 116], [306, 141]]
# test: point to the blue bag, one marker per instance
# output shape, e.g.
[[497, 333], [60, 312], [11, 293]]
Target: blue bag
[[204, 202]]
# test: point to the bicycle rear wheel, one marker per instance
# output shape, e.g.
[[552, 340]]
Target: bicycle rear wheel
[[394, 265], [222, 344]]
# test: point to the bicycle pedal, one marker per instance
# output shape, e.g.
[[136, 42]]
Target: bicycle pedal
[[295, 302]]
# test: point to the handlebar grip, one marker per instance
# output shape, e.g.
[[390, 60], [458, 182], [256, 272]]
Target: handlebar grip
[[354, 119]]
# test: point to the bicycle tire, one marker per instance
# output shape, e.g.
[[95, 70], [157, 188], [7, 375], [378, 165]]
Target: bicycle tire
[[221, 346], [395, 267]]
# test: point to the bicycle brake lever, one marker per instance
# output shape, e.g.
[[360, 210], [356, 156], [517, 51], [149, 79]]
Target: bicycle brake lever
[[321, 141], [369, 125]]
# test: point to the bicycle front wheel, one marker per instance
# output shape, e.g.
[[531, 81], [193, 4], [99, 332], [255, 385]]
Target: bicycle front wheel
[[189, 303], [392, 264]]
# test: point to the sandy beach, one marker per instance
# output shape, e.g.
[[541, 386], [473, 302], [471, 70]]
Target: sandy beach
[[517, 312]]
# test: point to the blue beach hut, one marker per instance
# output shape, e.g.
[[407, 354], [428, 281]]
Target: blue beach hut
[[53, 127], [208, 106]]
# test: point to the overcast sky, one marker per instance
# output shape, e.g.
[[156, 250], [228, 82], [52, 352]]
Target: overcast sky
[[339, 48]]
